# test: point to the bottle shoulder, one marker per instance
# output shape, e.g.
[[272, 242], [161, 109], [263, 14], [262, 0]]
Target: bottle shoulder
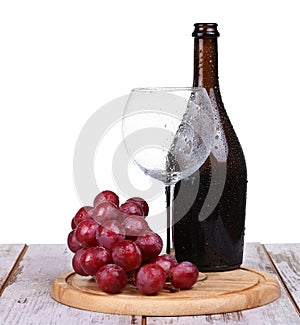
[[226, 143]]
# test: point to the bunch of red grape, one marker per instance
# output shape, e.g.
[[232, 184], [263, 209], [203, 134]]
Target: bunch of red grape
[[114, 245]]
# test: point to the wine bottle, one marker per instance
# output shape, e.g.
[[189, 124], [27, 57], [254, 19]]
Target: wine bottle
[[210, 205]]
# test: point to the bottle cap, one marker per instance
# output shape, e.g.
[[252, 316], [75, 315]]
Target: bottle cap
[[203, 30]]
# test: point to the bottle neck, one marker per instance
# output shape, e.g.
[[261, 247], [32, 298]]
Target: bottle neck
[[206, 63]]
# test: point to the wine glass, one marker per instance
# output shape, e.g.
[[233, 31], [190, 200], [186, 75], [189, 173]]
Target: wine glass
[[168, 133]]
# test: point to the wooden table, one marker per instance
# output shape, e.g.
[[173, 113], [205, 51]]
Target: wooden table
[[27, 273]]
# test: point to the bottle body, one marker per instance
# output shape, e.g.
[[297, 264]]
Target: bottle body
[[210, 204]]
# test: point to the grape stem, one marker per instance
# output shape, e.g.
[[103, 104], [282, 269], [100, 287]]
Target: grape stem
[[170, 287], [131, 277]]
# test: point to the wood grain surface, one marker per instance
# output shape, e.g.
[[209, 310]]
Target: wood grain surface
[[279, 312], [286, 259], [220, 292], [27, 298], [9, 255], [27, 275]]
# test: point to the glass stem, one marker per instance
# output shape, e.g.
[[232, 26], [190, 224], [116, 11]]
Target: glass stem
[[170, 218]]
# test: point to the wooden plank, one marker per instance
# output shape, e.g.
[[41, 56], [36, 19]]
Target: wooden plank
[[286, 258], [27, 299], [279, 312], [8, 256]]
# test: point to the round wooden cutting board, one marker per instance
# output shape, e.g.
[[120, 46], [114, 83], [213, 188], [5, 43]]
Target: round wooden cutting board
[[219, 292]]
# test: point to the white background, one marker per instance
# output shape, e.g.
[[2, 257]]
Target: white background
[[60, 61]]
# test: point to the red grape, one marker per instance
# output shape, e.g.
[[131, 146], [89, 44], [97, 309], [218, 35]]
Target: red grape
[[150, 279], [106, 211], [184, 275], [142, 203], [76, 262], [106, 196], [86, 233], [166, 262], [110, 232], [93, 258], [131, 208], [109, 241], [72, 242], [135, 225], [150, 244], [82, 214], [111, 278], [127, 255]]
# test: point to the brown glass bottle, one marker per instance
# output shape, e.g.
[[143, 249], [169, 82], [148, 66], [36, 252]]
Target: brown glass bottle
[[210, 205]]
